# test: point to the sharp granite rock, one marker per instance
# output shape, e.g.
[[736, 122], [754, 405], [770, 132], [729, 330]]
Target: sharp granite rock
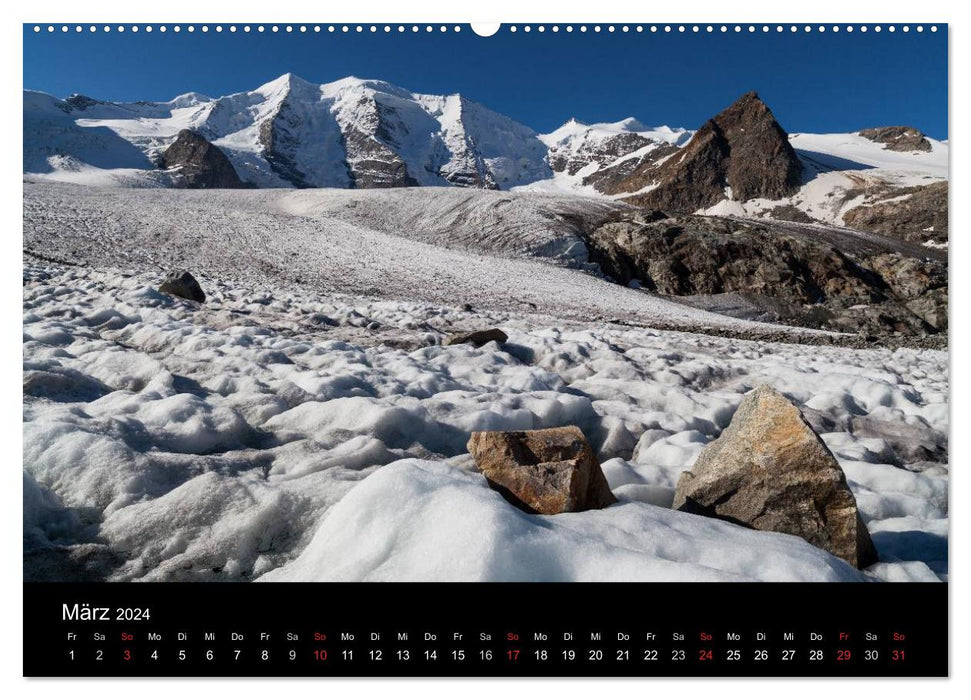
[[770, 471]]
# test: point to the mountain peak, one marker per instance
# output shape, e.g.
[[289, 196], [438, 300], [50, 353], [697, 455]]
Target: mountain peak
[[353, 83], [749, 103], [283, 84], [741, 153], [294, 79]]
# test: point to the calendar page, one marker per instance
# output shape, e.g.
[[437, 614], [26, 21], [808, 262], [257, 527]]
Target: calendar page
[[509, 350]]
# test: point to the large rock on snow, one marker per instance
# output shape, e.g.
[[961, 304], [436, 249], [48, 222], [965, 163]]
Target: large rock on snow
[[181, 283], [201, 165], [770, 471], [741, 153], [478, 338], [543, 471]]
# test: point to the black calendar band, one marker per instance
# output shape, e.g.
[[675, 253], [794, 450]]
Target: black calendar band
[[485, 629]]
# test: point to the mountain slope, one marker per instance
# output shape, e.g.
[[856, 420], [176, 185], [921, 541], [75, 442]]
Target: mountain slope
[[591, 157]]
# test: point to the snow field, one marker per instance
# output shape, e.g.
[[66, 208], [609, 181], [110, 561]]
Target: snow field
[[301, 436]]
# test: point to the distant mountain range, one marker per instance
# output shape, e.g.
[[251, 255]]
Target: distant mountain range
[[355, 133]]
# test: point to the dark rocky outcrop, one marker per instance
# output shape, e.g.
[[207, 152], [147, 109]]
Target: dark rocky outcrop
[[200, 164], [181, 283], [742, 150], [478, 338], [770, 471], [773, 272], [81, 102], [917, 214], [543, 471], [898, 138]]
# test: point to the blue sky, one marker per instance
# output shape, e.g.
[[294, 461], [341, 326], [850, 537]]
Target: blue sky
[[814, 82]]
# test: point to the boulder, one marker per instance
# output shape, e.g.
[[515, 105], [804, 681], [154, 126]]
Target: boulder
[[770, 471], [547, 471], [478, 338], [181, 283]]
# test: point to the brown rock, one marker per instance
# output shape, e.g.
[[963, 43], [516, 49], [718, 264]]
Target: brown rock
[[478, 338], [542, 471], [769, 471]]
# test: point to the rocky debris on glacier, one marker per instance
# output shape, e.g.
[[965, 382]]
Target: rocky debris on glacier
[[898, 138], [547, 471], [200, 164], [478, 338], [770, 471], [181, 283], [774, 271]]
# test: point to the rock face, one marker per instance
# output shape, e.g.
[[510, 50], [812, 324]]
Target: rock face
[[916, 214], [478, 338], [898, 138], [920, 284], [181, 283], [775, 272], [770, 471], [543, 471], [602, 155], [201, 165], [742, 153]]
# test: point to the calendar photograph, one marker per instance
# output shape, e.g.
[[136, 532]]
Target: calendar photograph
[[410, 304]]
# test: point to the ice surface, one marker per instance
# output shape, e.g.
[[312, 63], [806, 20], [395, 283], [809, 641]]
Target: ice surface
[[449, 246], [253, 435]]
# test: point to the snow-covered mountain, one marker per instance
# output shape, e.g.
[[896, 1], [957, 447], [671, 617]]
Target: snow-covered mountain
[[355, 133], [289, 133], [586, 157]]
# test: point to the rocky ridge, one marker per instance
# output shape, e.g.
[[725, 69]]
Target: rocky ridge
[[898, 138]]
